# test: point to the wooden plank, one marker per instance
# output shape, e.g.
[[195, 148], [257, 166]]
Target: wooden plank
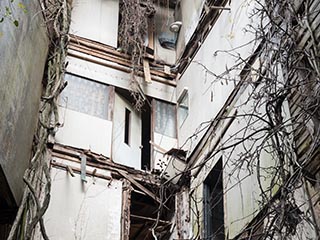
[[69, 169], [120, 61], [121, 68], [150, 219], [142, 188], [78, 170], [146, 70], [67, 153], [126, 204]]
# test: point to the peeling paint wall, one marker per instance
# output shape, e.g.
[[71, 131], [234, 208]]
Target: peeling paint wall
[[183, 214], [23, 53]]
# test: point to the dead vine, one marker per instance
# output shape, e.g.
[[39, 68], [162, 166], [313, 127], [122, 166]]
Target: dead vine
[[288, 72], [36, 195], [133, 30]]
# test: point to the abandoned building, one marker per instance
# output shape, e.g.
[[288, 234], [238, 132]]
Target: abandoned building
[[159, 119]]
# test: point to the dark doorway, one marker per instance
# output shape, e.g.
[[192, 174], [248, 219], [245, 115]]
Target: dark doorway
[[8, 207], [146, 137]]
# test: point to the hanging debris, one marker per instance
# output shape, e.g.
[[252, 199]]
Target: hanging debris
[[133, 31]]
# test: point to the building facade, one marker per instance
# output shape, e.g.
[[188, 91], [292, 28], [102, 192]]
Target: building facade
[[187, 119]]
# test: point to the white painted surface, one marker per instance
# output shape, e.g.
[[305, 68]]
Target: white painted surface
[[81, 210], [96, 20], [118, 78], [207, 94], [126, 154], [85, 131], [166, 143], [174, 169]]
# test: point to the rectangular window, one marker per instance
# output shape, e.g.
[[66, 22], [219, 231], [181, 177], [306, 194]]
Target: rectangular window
[[127, 126], [183, 107], [213, 204], [165, 118], [85, 96]]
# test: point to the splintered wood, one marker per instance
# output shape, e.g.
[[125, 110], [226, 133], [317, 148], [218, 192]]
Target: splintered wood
[[126, 203]]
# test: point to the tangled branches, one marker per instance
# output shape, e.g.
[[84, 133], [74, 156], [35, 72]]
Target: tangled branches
[[132, 37], [288, 72], [276, 138], [36, 195]]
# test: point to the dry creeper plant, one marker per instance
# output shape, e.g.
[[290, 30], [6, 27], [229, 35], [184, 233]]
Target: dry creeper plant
[[133, 31]]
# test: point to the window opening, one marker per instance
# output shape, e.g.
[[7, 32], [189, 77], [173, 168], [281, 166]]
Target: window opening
[[165, 119], [85, 96], [213, 204], [183, 107], [127, 126]]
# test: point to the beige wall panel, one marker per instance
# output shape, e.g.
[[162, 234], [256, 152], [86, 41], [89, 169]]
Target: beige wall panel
[[96, 20], [84, 131], [80, 210]]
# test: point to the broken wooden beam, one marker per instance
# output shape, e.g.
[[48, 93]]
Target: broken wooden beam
[[150, 219], [140, 186]]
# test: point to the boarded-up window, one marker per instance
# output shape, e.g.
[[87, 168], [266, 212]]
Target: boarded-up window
[[85, 96], [165, 118]]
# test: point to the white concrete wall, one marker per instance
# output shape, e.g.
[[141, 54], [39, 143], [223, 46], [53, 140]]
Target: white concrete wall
[[85, 211], [84, 131], [23, 54], [166, 143], [96, 20], [207, 94], [242, 193]]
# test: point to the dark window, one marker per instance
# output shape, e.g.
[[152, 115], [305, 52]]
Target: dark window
[[146, 137], [127, 126], [213, 204]]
